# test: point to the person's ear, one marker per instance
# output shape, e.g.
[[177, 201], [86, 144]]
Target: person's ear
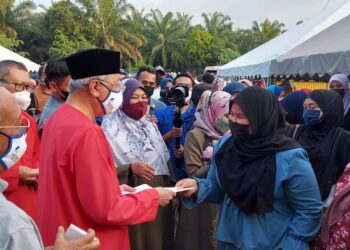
[[94, 88], [53, 86]]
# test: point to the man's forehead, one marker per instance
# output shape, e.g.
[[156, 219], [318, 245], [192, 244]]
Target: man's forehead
[[17, 75], [146, 74], [184, 79]]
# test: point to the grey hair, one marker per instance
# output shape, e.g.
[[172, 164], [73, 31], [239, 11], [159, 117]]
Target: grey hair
[[6, 65], [81, 83]]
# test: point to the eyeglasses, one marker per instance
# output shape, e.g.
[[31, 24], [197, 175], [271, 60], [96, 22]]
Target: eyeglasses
[[20, 86], [25, 124], [116, 87]]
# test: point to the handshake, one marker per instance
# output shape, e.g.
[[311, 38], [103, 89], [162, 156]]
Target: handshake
[[185, 188]]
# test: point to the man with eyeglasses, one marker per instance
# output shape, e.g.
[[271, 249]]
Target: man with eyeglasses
[[22, 177], [78, 182]]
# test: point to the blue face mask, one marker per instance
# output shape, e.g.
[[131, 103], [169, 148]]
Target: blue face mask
[[311, 117], [16, 149]]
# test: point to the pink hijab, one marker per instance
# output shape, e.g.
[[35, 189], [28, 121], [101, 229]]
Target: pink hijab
[[211, 106]]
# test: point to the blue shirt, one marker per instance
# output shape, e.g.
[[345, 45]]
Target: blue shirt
[[297, 208], [155, 105], [165, 117], [50, 107]]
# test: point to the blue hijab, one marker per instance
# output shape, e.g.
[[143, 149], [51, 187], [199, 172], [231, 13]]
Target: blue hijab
[[233, 87], [164, 81], [276, 90], [293, 106]]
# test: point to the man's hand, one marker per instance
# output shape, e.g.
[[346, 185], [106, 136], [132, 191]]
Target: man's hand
[[142, 170], [175, 132], [165, 196], [126, 188], [153, 119], [179, 152], [185, 183], [28, 175], [86, 242]]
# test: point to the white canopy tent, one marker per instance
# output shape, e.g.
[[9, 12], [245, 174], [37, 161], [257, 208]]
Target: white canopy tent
[[6, 54], [259, 61], [326, 53]]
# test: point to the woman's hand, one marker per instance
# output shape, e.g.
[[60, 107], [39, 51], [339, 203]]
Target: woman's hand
[[142, 170], [185, 183]]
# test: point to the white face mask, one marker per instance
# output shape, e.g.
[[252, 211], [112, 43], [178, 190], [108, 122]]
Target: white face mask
[[113, 101], [23, 99], [17, 148]]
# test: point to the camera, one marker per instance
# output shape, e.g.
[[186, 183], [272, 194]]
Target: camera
[[164, 93], [178, 94]]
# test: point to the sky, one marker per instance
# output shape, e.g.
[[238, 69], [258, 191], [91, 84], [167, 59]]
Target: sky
[[242, 12]]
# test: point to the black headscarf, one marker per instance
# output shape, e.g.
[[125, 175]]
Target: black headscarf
[[198, 90], [247, 168], [327, 144]]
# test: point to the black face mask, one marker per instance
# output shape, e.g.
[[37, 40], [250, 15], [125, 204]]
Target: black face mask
[[239, 131], [149, 91], [65, 95], [341, 92]]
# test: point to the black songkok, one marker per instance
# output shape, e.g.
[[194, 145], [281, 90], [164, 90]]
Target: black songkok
[[93, 62]]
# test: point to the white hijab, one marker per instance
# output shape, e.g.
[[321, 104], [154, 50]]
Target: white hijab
[[135, 140]]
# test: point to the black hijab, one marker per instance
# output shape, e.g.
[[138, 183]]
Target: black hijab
[[247, 167], [327, 144]]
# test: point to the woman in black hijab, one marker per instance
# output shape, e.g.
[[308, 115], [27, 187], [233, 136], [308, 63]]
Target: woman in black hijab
[[266, 187], [327, 144]]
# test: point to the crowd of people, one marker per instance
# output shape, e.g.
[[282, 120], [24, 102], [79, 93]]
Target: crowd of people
[[263, 167]]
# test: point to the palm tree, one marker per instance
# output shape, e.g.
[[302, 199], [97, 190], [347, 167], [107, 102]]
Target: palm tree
[[217, 24], [110, 17], [136, 23], [266, 30], [184, 21], [13, 18], [165, 40]]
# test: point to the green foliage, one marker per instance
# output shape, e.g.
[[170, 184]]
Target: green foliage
[[200, 47], [9, 42], [248, 39], [138, 65], [226, 55], [60, 18], [63, 46]]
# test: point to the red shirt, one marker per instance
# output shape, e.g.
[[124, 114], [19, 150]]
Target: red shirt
[[22, 194], [79, 184]]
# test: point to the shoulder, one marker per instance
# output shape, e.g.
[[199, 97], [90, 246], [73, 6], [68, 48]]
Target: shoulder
[[295, 152], [195, 134], [221, 142], [293, 160], [164, 111], [157, 104], [344, 133], [111, 121], [13, 219]]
